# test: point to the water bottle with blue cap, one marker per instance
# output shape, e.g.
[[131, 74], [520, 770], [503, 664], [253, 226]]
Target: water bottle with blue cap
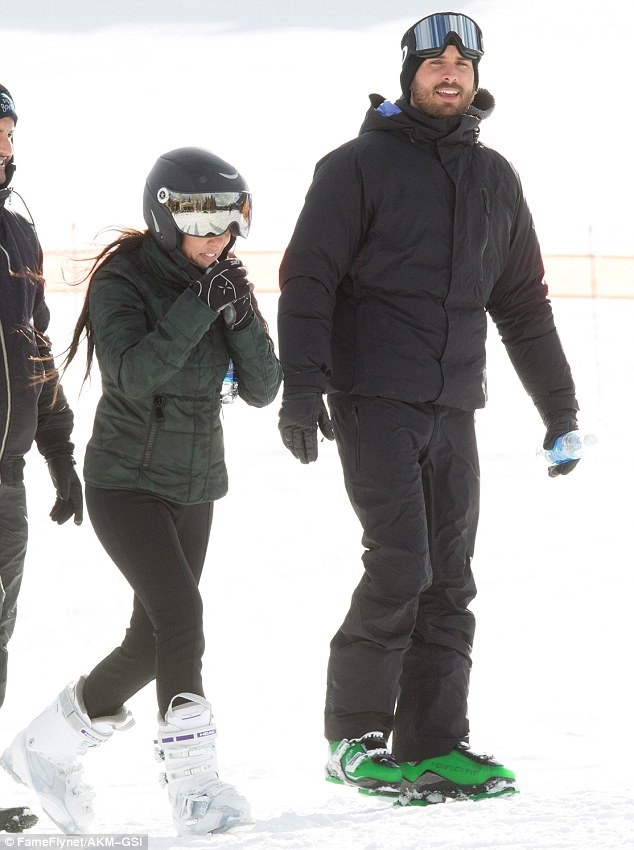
[[229, 390], [570, 446]]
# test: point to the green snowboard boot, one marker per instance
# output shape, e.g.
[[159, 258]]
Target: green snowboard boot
[[365, 763], [458, 775]]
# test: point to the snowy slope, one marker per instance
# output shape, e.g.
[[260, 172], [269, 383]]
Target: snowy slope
[[550, 694]]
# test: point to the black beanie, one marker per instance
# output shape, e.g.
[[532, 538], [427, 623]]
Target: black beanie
[[413, 63], [7, 110], [7, 106]]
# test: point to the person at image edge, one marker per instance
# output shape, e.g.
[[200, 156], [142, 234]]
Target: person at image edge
[[33, 407]]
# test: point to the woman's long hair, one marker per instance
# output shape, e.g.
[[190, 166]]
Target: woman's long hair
[[127, 241]]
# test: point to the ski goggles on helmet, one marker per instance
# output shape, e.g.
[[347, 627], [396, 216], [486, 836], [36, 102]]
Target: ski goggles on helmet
[[429, 37], [208, 213]]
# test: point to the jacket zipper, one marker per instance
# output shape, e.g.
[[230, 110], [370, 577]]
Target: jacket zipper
[[157, 419], [487, 221], [6, 254], [7, 378]]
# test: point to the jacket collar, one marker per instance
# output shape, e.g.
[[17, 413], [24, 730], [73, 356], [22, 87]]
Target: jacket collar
[[162, 265], [401, 117]]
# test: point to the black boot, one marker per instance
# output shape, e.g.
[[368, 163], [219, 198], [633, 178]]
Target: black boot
[[17, 819]]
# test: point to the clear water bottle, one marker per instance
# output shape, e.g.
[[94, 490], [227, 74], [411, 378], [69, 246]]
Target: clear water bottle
[[570, 446], [229, 390]]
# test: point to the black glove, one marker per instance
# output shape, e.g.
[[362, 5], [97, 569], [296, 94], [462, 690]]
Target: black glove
[[222, 284], [70, 499], [238, 315], [300, 415], [557, 423]]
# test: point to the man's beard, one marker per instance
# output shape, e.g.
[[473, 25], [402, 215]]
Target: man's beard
[[426, 102]]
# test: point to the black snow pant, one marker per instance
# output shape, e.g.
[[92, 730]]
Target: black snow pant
[[160, 548], [401, 660], [14, 532]]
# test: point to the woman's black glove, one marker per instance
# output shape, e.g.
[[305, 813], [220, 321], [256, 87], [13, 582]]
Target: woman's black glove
[[238, 315], [222, 284]]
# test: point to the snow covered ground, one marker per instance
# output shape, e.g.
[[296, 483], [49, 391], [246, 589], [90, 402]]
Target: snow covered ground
[[550, 691]]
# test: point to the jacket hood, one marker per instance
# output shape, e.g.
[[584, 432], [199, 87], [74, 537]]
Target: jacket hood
[[401, 117]]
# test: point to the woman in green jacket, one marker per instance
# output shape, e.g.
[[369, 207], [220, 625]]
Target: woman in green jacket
[[167, 312]]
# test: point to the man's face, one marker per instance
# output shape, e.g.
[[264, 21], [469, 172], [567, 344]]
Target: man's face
[[6, 145], [443, 85]]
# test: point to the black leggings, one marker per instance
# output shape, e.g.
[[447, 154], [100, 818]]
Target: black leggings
[[160, 548]]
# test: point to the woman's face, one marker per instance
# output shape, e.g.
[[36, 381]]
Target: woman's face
[[204, 250]]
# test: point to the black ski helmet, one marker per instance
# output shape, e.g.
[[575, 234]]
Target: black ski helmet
[[191, 190]]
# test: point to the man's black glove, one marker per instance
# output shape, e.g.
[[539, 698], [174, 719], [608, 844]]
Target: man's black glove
[[300, 415], [222, 284], [70, 499], [557, 423]]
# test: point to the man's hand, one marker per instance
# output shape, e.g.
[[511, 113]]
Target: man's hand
[[557, 423], [70, 500], [300, 415], [222, 284]]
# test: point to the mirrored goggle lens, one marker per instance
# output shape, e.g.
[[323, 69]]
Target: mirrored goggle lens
[[208, 213], [430, 35]]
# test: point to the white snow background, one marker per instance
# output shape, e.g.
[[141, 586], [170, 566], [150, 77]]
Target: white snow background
[[104, 87], [551, 694]]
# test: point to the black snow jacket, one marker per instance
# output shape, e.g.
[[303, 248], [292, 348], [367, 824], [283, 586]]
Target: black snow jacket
[[410, 233], [26, 409]]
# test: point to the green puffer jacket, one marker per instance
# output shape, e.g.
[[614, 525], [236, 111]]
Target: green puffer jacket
[[163, 354]]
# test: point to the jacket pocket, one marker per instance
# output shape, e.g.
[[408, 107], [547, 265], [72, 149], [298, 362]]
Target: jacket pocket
[[158, 418]]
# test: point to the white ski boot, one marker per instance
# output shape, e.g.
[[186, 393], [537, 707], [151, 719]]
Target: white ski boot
[[44, 756], [186, 745]]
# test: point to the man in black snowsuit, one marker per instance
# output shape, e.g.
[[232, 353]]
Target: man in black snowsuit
[[409, 235], [29, 408]]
